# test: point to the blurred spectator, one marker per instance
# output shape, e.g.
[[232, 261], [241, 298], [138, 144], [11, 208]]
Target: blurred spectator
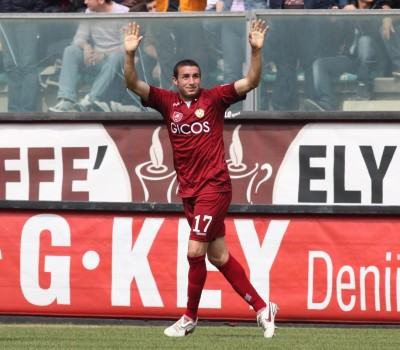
[[391, 37], [66, 6], [294, 43], [211, 5], [149, 54], [234, 32], [358, 55], [96, 49], [190, 5], [157, 55], [212, 27], [136, 5], [167, 5], [56, 36], [20, 55], [75, 5], [151, 5], [195, 46]]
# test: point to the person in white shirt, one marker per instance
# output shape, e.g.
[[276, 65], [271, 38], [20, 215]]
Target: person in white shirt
[[97, 47]]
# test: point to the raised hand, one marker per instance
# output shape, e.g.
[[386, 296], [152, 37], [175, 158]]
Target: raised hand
[[132, 37], [257, 33]]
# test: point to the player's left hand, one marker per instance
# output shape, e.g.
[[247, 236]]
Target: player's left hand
[[257, 33], [132, 37]]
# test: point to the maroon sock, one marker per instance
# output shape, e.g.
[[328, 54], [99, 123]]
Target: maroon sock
[[236, 276], [197, 278]]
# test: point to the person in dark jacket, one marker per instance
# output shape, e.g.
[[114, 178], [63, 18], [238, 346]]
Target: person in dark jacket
[[295, 42], [23, 5], [66, 6], [390, 32], [20, 54], [359, 45]]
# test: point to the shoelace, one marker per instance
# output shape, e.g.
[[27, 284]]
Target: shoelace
[[181, 325]]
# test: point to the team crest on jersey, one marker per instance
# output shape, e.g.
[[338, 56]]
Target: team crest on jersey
[[177, 117], [199, 113]]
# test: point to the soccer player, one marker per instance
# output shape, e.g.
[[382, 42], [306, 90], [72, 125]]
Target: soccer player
[[195, 119]]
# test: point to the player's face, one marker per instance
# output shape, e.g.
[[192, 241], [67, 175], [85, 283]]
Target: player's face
[[188, 82]]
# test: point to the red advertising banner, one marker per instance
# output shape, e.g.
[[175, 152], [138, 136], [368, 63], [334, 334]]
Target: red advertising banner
[[85, 264]]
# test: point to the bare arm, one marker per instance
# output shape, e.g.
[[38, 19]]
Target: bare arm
[[132, 39], [220, 6], [256, 39]]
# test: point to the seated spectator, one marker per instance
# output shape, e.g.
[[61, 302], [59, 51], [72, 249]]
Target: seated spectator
[[212, 31], [233, 32], [151, 5], [391, 38], [211, 5], [96, 48], [358, 55], [167, 5], [20, 42], [135, 5], [67, 6], [294, 44], [190, 5], [149, 55], [158, 56], [195, 47]]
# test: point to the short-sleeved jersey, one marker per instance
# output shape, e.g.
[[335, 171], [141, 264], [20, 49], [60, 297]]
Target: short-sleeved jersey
[[196, 135]]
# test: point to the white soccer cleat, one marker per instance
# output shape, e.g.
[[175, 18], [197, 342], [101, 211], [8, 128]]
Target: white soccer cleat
[[181, 328], [266, 319]]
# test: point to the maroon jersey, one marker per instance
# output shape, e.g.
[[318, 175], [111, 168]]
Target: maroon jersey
[[196, 135]]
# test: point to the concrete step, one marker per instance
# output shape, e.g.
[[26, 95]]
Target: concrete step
[[386, 85], [371, 105]]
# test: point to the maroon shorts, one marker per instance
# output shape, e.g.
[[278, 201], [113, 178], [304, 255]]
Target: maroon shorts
[[206, 214]]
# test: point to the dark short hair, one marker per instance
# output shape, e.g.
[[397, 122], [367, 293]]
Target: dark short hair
[[108, 1], [185, 62]]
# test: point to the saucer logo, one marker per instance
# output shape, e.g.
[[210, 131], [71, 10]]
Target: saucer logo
[[199, 113], [177, 117]]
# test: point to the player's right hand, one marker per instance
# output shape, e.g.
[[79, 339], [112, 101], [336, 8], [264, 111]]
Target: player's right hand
[[132, 37]]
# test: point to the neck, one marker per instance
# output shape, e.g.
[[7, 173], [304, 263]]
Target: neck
[[187, 99]]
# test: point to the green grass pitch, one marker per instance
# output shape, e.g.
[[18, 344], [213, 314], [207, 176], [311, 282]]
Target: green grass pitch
[[115, 337]]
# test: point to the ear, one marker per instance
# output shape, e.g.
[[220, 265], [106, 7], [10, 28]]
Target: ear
[[175, 81]]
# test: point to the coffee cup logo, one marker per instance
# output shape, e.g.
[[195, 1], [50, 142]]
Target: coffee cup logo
[[154, 171], [239, 170]]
